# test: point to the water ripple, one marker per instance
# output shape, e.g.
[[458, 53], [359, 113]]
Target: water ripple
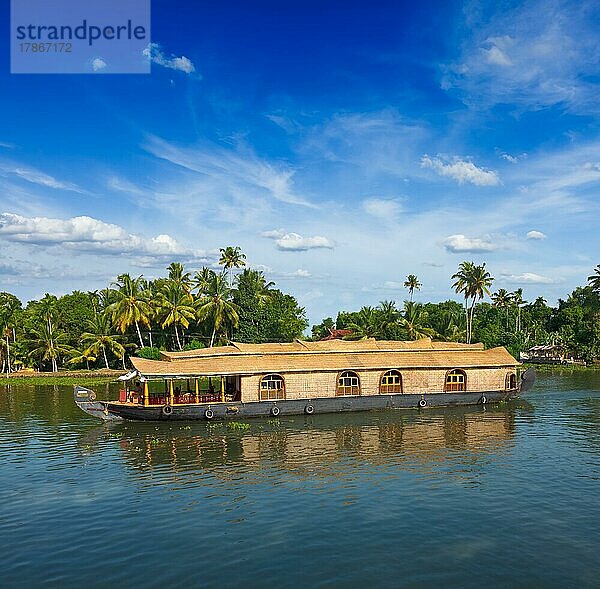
[[406, 498]]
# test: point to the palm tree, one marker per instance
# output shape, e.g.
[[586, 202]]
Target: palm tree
[[80, 356], [462, 282], [594, 279], [202, 279], [179, 276], [413, 320], [232, 257], [503, 300], [474, 282], [518, 302], [175, 307], [450, 330], [389, 315], [256, 282], [48, 343], [366, 324], [100, 339], [412, 283], [479, 286], [130, 306], [216, 305]]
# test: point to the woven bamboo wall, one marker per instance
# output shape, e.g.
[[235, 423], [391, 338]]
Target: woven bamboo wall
[[303, 385]]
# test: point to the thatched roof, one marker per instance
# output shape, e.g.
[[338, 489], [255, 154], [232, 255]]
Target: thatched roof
[[323, 356], [328, 346]]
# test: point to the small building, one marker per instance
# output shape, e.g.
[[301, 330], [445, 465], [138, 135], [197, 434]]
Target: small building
[[548, 354], [337, 334]]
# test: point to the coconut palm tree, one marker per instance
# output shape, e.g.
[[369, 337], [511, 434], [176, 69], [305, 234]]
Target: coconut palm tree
[[48, 343], [473, 282], [479, 286], [202, 279], [232, 257], [80, 356], [389, 315], [502, 299], [256, 282], [100, 339], [414, 319], [130, 306], [366, 324], [179, 276], [462, 280], [518, 302], [412, 283], [175, 307], [215, 305], [594, 279]]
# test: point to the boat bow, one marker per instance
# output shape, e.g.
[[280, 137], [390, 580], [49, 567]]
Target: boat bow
[[86, 401]]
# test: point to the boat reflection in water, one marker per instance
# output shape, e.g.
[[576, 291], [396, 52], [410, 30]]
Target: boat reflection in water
[[328, 445]]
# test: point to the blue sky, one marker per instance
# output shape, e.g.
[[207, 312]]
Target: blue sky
[[341, 147]]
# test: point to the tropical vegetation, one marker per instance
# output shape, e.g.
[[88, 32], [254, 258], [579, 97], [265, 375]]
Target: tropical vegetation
[[212, 307]]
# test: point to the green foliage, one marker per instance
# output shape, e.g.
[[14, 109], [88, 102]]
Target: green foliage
[[266, 314], [194, 345], [101, 328], [148, 353]]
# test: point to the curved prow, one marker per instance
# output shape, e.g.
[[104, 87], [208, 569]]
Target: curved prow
[[85, 399], [527, 380]]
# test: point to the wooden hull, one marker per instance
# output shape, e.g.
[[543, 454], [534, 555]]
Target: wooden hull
[[270, 409]]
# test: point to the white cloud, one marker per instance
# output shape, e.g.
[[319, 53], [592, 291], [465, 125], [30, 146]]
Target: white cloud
[[528, 278], [496, 56], [300, 273], [86, 234], [294, 242], [457, 244], [98, 64], [386, 209], [533, 55], [37, 177], [273, 233], [536, 235], [237, 171], [155, 54], [461, 170], [513, 159]]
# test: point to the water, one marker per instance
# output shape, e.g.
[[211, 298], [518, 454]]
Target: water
[[441, 498]]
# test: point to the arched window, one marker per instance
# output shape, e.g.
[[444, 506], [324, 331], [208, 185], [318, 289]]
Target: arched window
[[391, 382], [348, 383], [272, 387], [456, 380], [511, 381]]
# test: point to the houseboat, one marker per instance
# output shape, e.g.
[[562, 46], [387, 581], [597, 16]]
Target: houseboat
[[301, 377]]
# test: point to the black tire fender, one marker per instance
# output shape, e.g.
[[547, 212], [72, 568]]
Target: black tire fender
[[275, 411], [167, 410], [483, 399], [422, 403], [209, 414], [309, 409]]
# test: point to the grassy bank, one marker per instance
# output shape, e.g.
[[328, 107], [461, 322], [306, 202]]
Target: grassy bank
[[72, 377]]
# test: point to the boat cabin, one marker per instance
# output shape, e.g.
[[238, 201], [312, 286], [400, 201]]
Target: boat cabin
[[270, 372]]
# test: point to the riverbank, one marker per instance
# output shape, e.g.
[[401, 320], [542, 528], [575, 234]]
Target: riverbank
[[67, 377], [562, 368]]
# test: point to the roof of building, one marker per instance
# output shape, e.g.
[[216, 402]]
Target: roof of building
[[337, 334], [322, 356]]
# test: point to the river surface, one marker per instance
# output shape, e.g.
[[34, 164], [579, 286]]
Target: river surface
[[493, 497]]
